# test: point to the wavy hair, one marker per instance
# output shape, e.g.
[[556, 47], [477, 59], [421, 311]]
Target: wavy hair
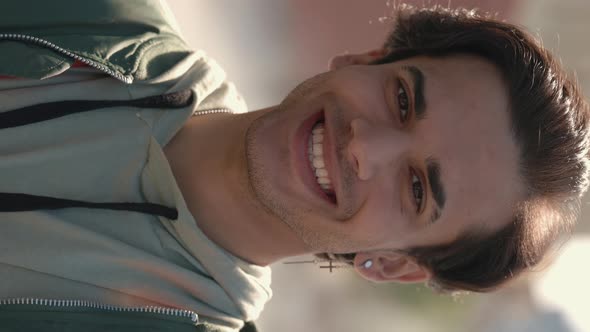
[[549, 122]]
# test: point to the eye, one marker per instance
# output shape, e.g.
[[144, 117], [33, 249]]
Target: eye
[[417, 191], [403, 103]]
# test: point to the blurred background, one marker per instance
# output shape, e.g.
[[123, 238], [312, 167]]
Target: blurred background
[[267, 47]]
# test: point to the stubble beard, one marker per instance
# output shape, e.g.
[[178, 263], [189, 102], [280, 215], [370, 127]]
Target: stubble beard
[[262, 189], [266, 194], [260, 186]]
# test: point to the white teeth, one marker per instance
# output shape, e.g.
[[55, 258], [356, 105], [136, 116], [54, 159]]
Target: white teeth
[[323, 180], [321, 172], [318, 129], [318, 149], [318, 138], [316, 158], [318, 162]]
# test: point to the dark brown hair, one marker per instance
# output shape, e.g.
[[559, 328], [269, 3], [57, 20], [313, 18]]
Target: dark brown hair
[[549, 123]]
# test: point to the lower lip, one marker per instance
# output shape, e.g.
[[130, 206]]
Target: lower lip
[[302, 159]]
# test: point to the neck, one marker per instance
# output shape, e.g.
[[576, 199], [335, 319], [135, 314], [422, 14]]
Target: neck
[[208, 159]]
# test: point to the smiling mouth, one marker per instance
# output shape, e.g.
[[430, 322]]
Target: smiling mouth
[[315, 154]]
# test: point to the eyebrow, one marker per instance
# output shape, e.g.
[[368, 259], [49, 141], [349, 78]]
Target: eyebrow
[[436, 187], [418, 78]]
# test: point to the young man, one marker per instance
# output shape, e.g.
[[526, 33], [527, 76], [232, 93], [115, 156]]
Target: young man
[[131, 176]]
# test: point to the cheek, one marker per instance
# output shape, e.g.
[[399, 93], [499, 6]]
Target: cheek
[[380, 221], [363, 93]]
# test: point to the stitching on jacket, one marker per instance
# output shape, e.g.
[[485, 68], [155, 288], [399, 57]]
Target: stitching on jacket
[[55, 66], [152, 44], [141, 50], [46, 69]]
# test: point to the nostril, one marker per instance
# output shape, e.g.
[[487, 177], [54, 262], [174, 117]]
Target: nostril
[[354, 149], [354, 162]]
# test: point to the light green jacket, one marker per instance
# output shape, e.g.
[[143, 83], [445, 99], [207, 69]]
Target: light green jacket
[[104, 231]]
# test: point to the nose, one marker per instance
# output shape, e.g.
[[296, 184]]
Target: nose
[[374, 147]]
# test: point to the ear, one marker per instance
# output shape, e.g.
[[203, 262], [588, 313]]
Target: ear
[[390, 266], [344, 60]]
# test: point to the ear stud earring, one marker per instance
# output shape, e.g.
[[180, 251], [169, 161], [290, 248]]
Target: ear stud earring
[[367, 264]]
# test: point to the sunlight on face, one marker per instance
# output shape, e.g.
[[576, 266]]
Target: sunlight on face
[[417, 152]]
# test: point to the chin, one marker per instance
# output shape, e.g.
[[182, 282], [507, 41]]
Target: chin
[[273, 170], [266, 158]]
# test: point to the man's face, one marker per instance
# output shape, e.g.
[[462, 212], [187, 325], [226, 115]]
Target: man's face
[[412, 153]]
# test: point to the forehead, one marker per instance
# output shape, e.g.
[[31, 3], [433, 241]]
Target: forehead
[[467, 129]]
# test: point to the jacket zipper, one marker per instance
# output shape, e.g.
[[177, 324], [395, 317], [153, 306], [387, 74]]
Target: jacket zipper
[[128, 79], [99, 306], [212, 111]]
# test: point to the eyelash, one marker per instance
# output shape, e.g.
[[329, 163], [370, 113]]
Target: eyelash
[[402, 96], [417, 188]]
